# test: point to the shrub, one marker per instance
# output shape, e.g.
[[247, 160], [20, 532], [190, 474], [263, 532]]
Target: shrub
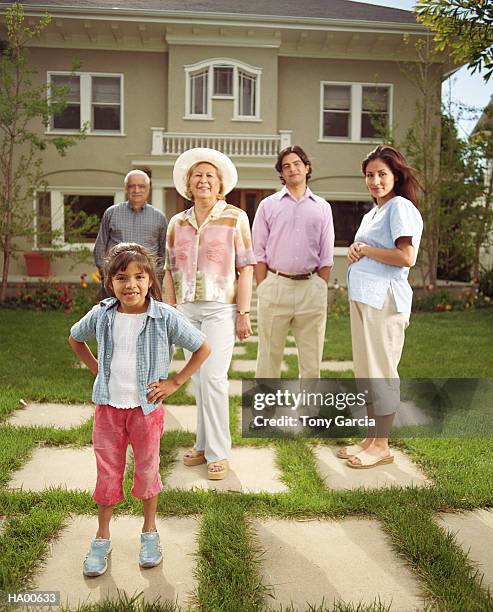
[[54, 295], [486, 283]]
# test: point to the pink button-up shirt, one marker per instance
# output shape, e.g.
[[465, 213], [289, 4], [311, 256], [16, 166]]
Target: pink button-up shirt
[[203, 260], [294, 237]]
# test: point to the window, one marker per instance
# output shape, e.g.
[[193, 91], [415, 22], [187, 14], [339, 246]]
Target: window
[[227, 79], [355, 111], [94, 100], [336, 110], [347, 218], [82, 215], [375, 111], [199, 101], [247, 93], [70, 218], [106, 103], [43, 220], [69, 118], [223, 81]]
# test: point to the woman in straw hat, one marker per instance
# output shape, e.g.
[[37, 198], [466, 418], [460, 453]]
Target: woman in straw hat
[[209, 269]]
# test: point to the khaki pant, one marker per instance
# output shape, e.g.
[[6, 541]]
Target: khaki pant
[[297, 304], [377, 338]]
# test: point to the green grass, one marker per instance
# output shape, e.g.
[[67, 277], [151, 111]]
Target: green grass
[[36, 364]]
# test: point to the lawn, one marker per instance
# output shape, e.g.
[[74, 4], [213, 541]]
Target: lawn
[[36, 364]]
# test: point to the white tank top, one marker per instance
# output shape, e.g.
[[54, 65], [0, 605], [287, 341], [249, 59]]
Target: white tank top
[[122, 385]]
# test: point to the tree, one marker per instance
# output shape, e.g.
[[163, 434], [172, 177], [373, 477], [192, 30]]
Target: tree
[[463, 26], [25, 113], [463, 220], [422, 147]]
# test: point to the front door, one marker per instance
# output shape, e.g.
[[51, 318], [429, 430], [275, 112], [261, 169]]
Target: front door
[[248, 200]]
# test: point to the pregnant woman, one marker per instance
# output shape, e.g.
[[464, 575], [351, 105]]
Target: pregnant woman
[[385, 247]]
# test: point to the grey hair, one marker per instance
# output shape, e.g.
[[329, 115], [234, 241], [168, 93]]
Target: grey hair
[[141, 173]]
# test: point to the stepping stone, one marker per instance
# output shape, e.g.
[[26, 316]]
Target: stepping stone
[[337, 366], [60, 416], [180, 418], [234, 388], [239, 350], [172, 580], [250, 365], [250, 339], [473, 530], [291, 350], [252, 470], [410, 415], [70, 468], [351, 560], [177, 364], [338, 475]]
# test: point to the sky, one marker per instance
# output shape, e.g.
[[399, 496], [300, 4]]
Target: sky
[[463, 87]]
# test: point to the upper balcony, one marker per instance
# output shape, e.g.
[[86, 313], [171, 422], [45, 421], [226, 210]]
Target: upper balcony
[[233, 145]]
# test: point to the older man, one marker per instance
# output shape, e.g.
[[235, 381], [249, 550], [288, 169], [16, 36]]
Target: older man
[[132, 221], [293, 240]]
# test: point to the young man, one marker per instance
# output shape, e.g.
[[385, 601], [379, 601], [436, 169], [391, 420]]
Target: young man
[[293, 240]]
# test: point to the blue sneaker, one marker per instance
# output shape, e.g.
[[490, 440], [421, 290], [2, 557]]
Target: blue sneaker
[[96, 561], [150, 549]]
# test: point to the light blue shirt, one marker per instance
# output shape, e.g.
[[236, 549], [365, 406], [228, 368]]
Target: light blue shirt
[[368, 280], [162, 327]]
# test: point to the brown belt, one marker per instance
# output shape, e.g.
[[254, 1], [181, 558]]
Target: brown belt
[[293, 276]]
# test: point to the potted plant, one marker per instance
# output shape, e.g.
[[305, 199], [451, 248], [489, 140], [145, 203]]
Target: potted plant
[[37, 263]]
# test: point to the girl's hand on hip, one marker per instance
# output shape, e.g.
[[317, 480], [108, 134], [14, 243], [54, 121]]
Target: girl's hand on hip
[[161, 389], [243, 326]]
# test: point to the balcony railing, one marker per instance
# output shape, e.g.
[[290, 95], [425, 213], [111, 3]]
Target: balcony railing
[[234, 145]]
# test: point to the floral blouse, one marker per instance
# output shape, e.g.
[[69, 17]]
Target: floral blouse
[[204, 260]]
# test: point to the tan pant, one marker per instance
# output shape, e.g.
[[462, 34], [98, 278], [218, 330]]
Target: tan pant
[[377, 338], [297, 304]]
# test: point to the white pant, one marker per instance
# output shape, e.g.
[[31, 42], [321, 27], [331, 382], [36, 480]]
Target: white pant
[[210, 383]]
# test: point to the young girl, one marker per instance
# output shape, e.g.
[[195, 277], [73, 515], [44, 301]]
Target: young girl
[[385, 247], [134, 331]]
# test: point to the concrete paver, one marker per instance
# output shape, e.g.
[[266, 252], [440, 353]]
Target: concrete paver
[[234, 387], [250, 365], [177, 364], [172, 580], [351, 560], [337, 366], [473, 531], [401, 473], [239, 351], [180, 418], [71, 468], [252, 470], [59, 416]]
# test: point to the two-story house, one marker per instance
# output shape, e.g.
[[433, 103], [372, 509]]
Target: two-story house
[[156, 77]]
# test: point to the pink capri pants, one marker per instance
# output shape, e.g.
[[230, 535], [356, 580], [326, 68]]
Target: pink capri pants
[[113, 429]]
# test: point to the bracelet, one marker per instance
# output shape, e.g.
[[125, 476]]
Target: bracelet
[[243, 312]]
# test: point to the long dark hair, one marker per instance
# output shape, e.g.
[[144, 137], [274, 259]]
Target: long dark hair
[[300, 153], [120, 256], [406, 182]]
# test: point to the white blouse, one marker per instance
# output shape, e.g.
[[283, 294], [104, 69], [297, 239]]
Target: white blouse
[[122, 386]]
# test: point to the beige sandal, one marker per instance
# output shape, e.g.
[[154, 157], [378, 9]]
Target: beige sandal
[[217, 474], [349, 451], [193, 457], [367, 461]]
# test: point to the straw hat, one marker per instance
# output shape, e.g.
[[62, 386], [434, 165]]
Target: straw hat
[[201, 154]]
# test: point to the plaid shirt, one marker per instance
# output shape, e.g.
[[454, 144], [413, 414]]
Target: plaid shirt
[[162, 327], [121, 223]]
